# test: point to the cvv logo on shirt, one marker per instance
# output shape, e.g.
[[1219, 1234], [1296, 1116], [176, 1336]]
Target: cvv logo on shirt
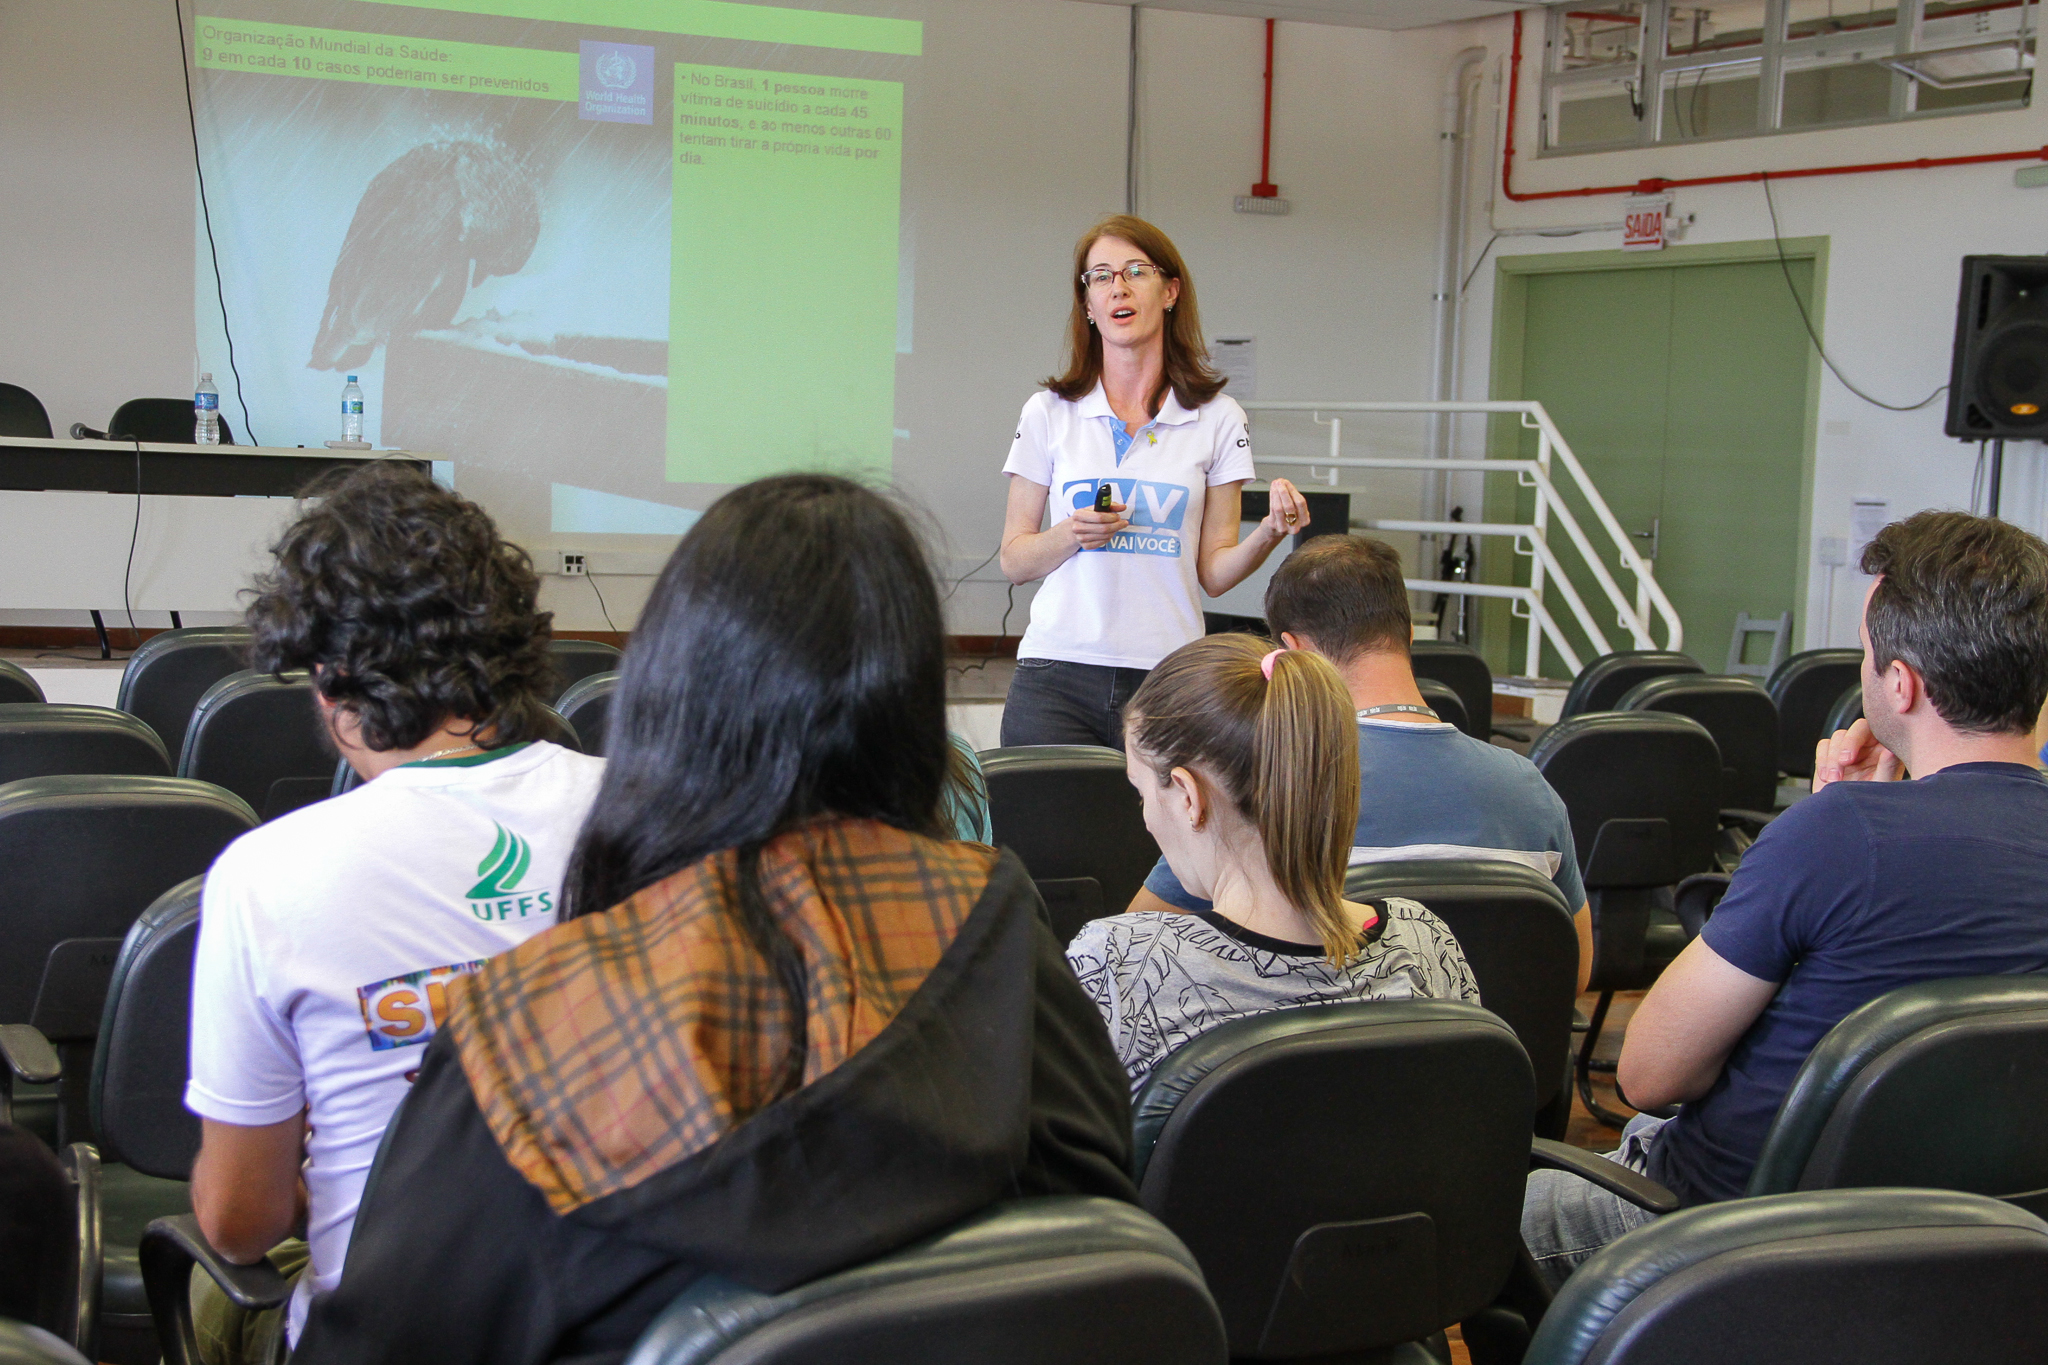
[[1148, 504], [1154, 510]]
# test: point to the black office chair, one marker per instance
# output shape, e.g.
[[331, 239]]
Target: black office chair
[[1941, 1083], [1847, 710], [1349, 1176], [168, 421], [1043, 1281], [23, 414], [1642, 789], [587, 706], [1744, 724], [1448, 705], [16, 684], [1804, 689], [1602, 683], [1518, 938], [146, 1139], [1069, 811], [1841, 1277], [21, 1344], [576, 660], [560, 732], [168, 673], [260, 737], [1229, 623], [1462, 669], [85, 856], [44, 739]]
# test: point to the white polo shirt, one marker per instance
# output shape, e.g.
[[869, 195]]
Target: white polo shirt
[[1137, 599], [327, 939]]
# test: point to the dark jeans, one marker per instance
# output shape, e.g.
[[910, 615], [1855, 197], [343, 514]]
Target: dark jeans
[[1052, 701]]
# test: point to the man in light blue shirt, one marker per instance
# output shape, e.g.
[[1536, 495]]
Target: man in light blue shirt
[[1427, 789]]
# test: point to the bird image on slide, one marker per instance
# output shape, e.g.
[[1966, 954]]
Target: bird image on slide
[[438, 220]]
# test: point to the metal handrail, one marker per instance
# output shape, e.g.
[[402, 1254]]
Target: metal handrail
[[1532, 538]]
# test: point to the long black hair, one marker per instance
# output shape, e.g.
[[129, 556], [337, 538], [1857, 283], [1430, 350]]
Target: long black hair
[[789, 664]]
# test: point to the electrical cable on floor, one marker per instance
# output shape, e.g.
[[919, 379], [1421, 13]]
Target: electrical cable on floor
[[134, 534], [970, 573], [592, 579], [206, 214], [1777, 237], [1002, 630]]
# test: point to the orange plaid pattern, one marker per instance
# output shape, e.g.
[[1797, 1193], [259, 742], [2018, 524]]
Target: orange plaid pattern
[[614, 1046]]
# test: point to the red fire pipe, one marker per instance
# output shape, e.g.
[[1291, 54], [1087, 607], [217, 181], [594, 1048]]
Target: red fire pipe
[[1657, 184], [1266, 189]]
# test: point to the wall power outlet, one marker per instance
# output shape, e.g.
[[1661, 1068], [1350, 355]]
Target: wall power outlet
[[572, 565]]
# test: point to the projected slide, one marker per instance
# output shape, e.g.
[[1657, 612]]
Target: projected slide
[[608, 256]]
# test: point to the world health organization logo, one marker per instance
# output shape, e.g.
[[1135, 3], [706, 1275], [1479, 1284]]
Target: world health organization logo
[[617, 70]]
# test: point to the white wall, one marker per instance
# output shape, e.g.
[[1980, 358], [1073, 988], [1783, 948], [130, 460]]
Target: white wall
[[1020, 144], [1890, 292]]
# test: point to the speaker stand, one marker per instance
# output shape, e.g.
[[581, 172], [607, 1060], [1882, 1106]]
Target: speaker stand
[[1997, 474]]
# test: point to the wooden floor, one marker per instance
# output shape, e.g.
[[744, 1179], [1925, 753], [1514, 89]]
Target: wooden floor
[[1585, 1130]]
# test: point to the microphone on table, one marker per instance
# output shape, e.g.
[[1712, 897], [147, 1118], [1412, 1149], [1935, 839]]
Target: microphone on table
[[81, 432]]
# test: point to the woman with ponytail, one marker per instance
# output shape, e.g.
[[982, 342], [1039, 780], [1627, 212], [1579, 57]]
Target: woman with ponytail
[[1246, 758]]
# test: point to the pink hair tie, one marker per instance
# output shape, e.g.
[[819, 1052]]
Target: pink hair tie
[[1266, 664]]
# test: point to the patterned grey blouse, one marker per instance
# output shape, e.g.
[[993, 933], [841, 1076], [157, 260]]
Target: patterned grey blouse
[[1161, 978]]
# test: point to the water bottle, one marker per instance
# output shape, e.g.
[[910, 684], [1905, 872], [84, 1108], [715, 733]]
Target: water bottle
[[206, 413], [352, 411]]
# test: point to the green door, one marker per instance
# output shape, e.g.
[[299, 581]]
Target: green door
[[1683, 391]]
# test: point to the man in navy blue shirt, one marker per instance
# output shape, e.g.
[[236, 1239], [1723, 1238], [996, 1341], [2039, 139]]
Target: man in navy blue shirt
[[1872, 883], [1426, 788]]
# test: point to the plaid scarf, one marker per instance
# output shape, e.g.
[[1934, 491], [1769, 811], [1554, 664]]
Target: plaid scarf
[[614, 1046]]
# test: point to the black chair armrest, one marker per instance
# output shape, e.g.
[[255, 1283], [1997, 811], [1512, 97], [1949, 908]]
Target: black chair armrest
[[170, 1248], [27, 1057], [1611, 1176], [1750, 821], [28, 1054]]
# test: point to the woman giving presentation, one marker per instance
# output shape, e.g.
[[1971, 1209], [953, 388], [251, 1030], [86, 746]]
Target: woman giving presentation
[[1143, 459]]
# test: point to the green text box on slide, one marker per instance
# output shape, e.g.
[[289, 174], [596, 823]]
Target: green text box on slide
[[327, 54], [782, 293], [707, 19]]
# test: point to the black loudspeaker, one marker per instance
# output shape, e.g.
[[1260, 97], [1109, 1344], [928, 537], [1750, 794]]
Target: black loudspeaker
[[1998, 383]]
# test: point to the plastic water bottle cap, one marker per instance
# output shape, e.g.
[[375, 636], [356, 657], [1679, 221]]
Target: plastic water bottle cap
[[351, 379], [206, 376]]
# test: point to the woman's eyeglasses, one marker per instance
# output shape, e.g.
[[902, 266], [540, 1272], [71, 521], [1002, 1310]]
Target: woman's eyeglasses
[[1137, 272]]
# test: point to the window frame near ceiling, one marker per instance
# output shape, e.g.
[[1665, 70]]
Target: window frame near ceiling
[[1897, 50]]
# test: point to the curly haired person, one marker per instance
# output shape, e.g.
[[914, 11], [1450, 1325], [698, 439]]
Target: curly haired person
[[328, 937]]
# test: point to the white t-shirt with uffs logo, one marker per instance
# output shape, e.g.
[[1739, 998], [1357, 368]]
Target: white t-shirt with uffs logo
[[327, 939]]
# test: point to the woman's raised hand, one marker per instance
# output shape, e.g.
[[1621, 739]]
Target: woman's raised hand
[[1287, 510]]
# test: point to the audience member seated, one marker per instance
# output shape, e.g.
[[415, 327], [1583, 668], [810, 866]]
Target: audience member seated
[[965, 803], [1246, 761], [790, 1025], [328, 937], [1430, 790], [1871, 883]]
